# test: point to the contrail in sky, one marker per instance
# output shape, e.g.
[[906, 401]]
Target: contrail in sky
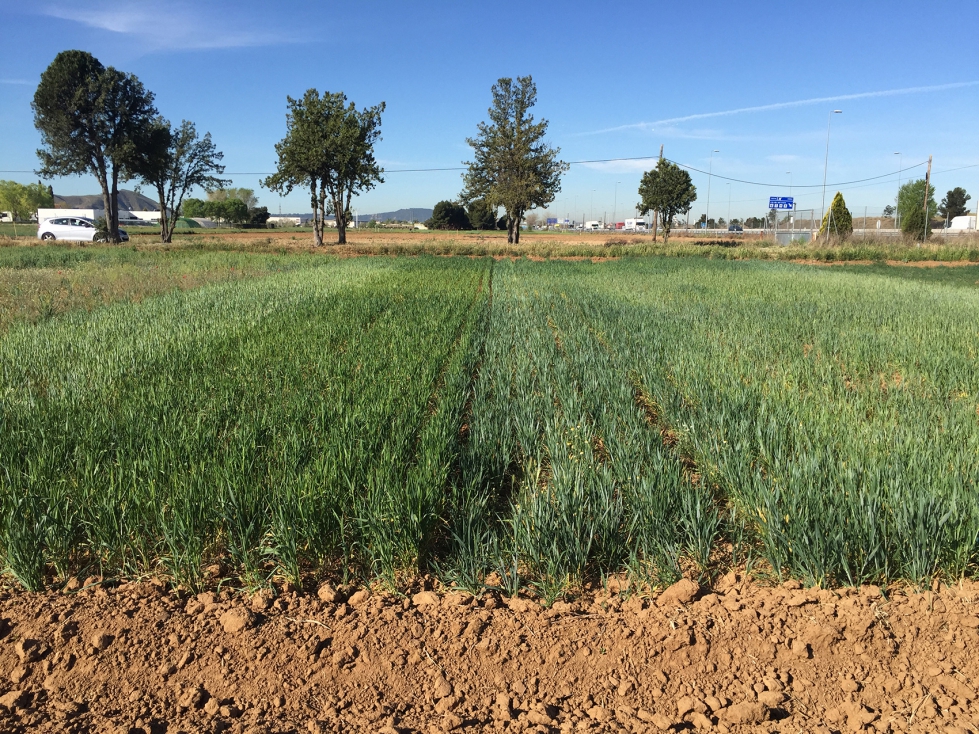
[[783, 105]]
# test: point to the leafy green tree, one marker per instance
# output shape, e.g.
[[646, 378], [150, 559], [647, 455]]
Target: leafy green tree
[[514, 168], [954, 204], [889, 211], [90, 117], [481, 215], [173, 161], [258, 215], [669, 190], [23, 200], [194, 208], [448, 215], [837, 222], [231, 211], [328, 148], [223, 194], [911, 207]]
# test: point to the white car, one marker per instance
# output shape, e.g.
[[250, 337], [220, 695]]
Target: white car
[[76, 229]]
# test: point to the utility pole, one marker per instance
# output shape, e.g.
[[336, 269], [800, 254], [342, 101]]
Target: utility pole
[[656, 213], [829, 125], [709, 173], [927, 191], [897, 201]]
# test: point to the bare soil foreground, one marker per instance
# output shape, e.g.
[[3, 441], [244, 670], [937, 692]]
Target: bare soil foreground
[[738, 658]]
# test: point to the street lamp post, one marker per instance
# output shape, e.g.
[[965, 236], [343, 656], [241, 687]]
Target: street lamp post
[[897, 202], [615, 202], [826, 162], [728, 184], [792, 211], [710, 172]]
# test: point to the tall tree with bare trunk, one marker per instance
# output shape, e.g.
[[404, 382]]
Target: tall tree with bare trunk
[[329, 149], [173, 161], [513, 165], [90, 117]]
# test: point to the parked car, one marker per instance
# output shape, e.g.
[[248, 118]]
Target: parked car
[[73, 229], [735, 228]]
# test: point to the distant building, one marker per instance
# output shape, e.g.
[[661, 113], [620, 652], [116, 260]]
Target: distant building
[[285, 221]]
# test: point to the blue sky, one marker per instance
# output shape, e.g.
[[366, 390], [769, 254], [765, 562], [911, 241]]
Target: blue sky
[[753, 80]]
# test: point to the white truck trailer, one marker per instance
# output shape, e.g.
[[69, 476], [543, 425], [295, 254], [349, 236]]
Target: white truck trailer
[[634, 225]]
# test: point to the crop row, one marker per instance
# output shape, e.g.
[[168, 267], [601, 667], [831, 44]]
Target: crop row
[[527, 423]]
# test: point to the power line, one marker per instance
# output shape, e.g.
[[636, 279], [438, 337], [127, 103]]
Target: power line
[[637, 158]]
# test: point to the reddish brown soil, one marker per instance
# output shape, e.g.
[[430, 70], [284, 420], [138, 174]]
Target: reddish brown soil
[[739, 658]]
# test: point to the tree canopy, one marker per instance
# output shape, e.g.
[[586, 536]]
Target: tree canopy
[[232, 211], [837, 222], [667, 189], [246, 195], [23, 200], [481, 215], [448, 215], [90, 118], [513, 166], [173, 161], [954, 204], [911, 207], [329, 149]]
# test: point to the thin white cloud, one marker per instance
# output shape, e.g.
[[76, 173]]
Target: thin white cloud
[[16, 81], [173, 26], [670, 121]]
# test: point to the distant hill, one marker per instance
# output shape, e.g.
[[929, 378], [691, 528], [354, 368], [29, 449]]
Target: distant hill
[[128, 200]]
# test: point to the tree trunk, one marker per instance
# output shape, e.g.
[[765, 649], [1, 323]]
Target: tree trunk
[[102, 175], [166, 226], [113, 221], [315, 203], [340, 211], [511, 225], [341, 229]]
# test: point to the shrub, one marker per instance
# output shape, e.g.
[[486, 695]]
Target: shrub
[[838, 221]]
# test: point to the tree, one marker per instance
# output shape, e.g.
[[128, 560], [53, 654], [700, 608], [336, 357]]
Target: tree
[[481, 215], [329, 148], [889, 211], [194, 208], [90, 118], [448, 215], [668, 189], [23, 201], [837, 222], [231, 211], [911, 207], [258, 215], [954, 204], [514, 168], [173, 161], [223, 194]]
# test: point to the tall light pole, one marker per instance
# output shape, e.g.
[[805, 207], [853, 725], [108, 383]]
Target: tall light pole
[[710, 172], [615, 202], [728, 184], [897, 210], [591, 205], [826, 163]]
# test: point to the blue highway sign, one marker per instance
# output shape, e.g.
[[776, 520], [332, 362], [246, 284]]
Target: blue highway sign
[[781, 202]]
